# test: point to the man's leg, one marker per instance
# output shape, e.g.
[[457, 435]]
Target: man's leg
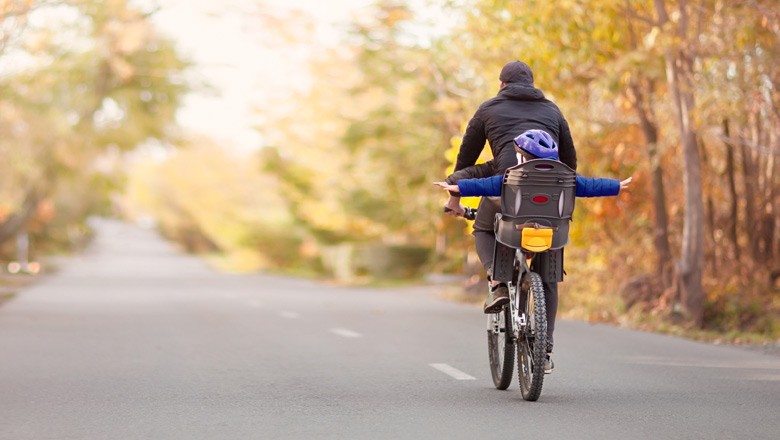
[[551, 303], [484, 237], [485, 242]]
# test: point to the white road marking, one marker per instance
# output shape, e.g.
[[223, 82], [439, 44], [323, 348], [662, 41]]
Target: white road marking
[[289, 315], [452, 372], [255, 304], [346, 333]]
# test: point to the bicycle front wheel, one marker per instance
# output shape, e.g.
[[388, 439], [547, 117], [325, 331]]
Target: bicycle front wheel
[[501, 347], [532, 340]]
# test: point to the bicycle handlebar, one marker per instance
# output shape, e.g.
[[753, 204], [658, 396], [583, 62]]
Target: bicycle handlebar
[[470, 214]]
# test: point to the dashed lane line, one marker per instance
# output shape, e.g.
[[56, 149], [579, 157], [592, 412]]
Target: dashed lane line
[[452, 372], [345, 333], [255, 304], [289, 315]]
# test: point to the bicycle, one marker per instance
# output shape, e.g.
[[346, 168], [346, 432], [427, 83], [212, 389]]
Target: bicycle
[[537, 201]]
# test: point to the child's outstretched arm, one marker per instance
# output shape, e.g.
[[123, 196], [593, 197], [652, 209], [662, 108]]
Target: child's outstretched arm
[[600, 187], [489, 187]]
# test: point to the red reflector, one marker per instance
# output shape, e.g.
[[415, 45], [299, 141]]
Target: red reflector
[[540, 199]]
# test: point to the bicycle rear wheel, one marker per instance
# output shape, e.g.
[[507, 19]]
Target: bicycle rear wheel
[[532, 340], [501, 347]]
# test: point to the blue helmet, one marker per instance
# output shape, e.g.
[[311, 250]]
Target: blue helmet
[[537, 143]]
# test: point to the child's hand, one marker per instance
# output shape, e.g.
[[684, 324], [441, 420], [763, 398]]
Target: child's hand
[[446, 186], [624, 183]]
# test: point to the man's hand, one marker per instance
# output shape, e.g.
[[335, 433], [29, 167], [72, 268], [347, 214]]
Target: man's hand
[[624, 183], [453, 203]]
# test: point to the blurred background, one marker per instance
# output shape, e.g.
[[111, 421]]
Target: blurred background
[[301, 137]]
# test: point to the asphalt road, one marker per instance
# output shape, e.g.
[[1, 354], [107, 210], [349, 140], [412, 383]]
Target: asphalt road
[[133, 340]]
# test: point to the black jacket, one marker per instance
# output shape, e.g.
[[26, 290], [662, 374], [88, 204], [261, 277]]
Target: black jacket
[[516, 108], [480, 171]]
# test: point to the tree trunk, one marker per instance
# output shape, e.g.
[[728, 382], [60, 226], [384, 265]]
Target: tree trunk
[[661, 218], [712, 255], [679, 74], [749, 177], [733, 208], [711, 251], [18, 220], [768, 229]]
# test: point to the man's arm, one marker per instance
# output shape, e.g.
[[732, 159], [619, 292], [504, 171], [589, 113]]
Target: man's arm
[[486, 169], [470, 148], [566, 151], [473, 143]]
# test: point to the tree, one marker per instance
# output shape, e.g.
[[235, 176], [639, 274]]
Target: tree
[[679, 56], [383, 109], [13, 17], [75, 103]]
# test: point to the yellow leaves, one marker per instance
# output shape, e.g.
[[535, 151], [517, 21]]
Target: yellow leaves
[[121, 68], [124, 38], [239, 261], [130, 37], [407, 97], [5, 211], [208, 188], [37, 42], [13, 7], [68, 154], [396, 14], [452, 153], [651, 37], [619, 149]]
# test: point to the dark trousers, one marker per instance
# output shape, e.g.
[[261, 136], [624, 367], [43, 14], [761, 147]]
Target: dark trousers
[[485, 242]]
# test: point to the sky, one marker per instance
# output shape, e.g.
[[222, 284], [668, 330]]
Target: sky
[[242, 59], [236, 54]]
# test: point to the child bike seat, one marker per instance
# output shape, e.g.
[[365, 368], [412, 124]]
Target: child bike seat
[[540, 192]]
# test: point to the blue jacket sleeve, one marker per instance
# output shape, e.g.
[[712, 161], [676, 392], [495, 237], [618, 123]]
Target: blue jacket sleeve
[[488, 187], [597, 187]]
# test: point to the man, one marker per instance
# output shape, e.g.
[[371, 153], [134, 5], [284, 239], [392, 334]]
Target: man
[[518, 107]]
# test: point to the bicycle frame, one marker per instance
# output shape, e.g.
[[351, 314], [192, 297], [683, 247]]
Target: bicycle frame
[[519, 322]]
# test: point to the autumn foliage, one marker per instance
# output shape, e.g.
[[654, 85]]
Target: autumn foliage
[[682, 96]]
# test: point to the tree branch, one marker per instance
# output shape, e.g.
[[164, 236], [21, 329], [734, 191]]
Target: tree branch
[[663, 16], [633, 14], [773, 150]]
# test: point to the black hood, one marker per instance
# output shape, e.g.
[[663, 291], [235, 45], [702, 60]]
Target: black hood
[[521, 92]]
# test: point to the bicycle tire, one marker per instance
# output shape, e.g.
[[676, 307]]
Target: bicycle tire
[[532, 340], [501, 348]]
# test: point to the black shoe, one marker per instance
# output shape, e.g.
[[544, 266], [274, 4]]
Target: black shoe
[[498, 296]]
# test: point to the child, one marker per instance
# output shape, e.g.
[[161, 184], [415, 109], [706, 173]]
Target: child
[[532, 144]]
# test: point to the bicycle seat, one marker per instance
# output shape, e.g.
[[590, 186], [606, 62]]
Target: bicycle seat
[[541, 193]]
